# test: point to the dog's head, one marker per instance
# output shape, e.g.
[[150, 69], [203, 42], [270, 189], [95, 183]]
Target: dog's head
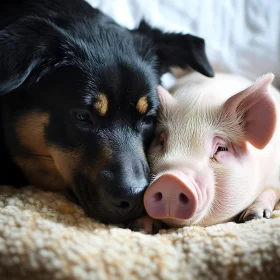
[[80, 106]]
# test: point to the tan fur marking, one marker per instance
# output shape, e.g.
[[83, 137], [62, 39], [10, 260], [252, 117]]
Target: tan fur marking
[[41, 172], [142, 105], [44, 166], [30, 132], [101, 105], [66, 161]]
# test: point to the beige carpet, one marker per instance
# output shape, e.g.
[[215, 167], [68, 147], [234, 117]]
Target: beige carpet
[[43, 236]]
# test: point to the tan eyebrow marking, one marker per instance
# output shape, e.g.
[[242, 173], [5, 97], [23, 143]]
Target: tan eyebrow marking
[[142, 105], [101, 105]]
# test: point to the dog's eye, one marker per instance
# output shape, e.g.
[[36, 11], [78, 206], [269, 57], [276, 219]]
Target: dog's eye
[[83, 116], [147, 120]]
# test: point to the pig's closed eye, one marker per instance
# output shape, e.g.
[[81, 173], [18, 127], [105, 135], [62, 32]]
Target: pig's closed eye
[[221, 149], [222, 152], [219, 145]]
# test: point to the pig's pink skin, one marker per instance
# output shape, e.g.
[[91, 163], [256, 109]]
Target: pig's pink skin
[[199, 119]]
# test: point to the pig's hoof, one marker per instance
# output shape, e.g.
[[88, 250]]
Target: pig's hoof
[[256, 210], [145, 223], [158, 225], [135, 226], [149, 226]]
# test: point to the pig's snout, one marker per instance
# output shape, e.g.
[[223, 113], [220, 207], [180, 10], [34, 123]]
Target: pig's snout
[[171, 196]]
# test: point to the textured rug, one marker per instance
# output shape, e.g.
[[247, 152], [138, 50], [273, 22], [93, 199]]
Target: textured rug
[[43, 236]]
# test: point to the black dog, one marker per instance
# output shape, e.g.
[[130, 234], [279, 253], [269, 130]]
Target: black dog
[[79, 102]]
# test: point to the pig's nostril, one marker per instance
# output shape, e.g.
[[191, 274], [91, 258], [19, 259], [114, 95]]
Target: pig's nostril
[[157, 197], [183, 198]]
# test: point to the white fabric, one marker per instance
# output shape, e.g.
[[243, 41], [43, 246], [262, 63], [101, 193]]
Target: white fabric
[[242, 36]]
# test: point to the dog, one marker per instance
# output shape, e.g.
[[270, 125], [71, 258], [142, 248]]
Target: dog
[[79, 102]]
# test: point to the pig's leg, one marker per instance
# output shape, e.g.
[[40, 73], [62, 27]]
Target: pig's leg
[[263, 206], [146, 223]]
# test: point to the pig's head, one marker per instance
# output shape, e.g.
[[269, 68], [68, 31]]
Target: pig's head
[[201, 157]]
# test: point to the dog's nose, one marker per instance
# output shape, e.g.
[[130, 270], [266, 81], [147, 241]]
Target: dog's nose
[[123, 197], [128, 200]]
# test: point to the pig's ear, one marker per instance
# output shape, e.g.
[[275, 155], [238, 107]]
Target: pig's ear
[[258, 110], [164, 96]]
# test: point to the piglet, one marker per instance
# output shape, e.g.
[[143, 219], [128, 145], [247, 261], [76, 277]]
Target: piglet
[[216, 154]]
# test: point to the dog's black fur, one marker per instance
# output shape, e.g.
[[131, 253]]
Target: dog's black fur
[[78, 101]]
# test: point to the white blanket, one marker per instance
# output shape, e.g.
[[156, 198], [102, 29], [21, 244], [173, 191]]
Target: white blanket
[[44, 236]]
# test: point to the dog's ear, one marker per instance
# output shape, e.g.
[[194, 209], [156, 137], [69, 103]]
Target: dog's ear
[[177, 50], [26, 54]]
